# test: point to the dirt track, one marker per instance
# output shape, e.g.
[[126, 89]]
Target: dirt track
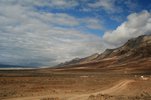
[[113, 90]]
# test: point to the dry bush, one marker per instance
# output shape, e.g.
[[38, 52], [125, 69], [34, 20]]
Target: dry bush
[[143, 96], [100, 97], [91, 97], [49, 98]]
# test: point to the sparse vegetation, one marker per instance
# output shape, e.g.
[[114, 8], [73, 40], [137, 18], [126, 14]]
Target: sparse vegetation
[[51, 98], [143, 96], [48, 84]]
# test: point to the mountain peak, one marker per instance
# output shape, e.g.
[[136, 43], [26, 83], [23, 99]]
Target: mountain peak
[[141, 40]]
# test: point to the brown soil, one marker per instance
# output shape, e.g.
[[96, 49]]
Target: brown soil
[[73, 85]]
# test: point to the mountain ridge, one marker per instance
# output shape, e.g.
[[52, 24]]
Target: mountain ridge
[[135, 49]]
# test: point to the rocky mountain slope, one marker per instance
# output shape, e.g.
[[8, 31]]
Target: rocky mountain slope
[[134, 55], [136, 47]]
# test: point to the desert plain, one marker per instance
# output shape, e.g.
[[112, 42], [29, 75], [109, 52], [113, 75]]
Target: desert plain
[[60, 84]]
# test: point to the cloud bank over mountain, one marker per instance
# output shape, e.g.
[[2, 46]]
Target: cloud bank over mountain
[[137, 24], [45, 33]]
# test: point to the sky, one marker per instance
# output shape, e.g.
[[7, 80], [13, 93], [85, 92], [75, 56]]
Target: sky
[[42, 33]]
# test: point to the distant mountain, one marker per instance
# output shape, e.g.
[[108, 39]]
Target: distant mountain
[[80, 60], [13, 66], [133, 51]]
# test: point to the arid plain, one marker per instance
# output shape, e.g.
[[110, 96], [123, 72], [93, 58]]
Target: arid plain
[[57, 84]]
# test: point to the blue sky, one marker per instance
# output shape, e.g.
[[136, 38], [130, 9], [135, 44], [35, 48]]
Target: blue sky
[[109, 17], [48, 32]]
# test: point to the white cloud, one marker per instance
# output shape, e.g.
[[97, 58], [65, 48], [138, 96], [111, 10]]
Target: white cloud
[[136, 24], [108, 5], [93, 23], [45, 3], [64, 3], [31, 37]]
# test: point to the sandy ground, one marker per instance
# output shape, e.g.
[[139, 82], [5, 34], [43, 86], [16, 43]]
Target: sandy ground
[[113, 90], [31, 85]]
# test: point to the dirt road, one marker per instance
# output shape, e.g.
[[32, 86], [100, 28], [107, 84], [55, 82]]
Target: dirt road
[[113, 90]]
